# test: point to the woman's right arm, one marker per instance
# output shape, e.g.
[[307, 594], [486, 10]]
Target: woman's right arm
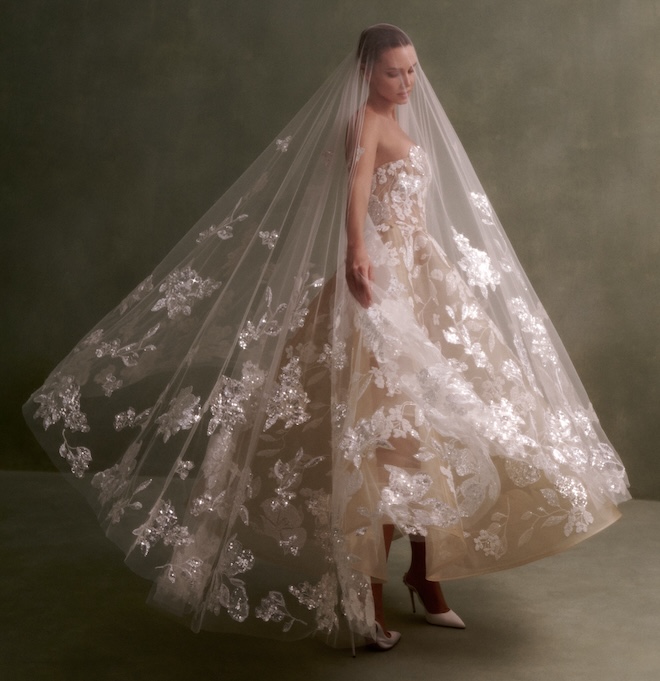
[[358, 266]]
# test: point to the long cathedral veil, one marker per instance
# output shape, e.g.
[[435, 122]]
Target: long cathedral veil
[[211, 419]]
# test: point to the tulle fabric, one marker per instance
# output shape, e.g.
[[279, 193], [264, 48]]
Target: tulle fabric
[[244, 429]]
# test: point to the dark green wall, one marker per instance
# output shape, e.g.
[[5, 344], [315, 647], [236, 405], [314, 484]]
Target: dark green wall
[[124, 120]]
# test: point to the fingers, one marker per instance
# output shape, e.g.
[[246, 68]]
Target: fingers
[[359, 284]]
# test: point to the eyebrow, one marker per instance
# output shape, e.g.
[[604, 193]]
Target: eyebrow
[[396, 68]]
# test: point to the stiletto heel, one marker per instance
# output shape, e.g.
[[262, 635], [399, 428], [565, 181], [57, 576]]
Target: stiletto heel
[[383, 640], [440, 619], [412, 596]]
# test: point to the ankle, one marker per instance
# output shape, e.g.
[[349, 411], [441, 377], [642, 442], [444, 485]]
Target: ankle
[[416, 577], [429, 593]]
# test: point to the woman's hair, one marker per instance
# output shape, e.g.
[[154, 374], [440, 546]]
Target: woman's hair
[[378, 38]]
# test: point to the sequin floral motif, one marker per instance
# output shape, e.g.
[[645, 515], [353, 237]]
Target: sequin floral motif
[[406, 501], [273, 609], [534, 327], [283, 144], [334, 357], [182, 288], [229, 593], [289, 475], [60, 399], [130, 418], [114, 483], [272, 321], [163, 525], [482, 204], [229, 403], [375, 432], [183, 414], [477, 265], [78, 458], [130, 353], [289, 401], [127, 503], [183, 468], [225, 230], [190, 570], [280, 518], [268, 324], [321, 597], [108, 381], [403, 202], [269, 239]]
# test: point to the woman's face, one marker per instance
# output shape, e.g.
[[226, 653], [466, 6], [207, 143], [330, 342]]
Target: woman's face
[[393, 75]]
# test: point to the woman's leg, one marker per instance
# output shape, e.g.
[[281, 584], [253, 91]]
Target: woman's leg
[[430, 593], [377, 587]]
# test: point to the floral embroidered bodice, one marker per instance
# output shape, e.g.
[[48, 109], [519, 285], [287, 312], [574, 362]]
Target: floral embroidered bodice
[[398, 192]]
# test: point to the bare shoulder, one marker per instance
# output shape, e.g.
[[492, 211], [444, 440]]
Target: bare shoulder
[[371, 128]]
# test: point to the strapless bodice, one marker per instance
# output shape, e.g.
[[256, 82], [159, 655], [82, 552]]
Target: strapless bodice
[[398, 192]]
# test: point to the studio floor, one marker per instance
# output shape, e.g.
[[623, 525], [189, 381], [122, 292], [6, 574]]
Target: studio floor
[[70, 610]]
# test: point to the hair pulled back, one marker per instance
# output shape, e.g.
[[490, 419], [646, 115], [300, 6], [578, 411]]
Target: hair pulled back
[[375, 39]]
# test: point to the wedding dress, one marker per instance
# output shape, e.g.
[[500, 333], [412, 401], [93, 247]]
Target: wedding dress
[[245, 428]]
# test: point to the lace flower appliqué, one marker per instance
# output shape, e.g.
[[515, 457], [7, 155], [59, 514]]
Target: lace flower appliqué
[[533, 326], [230, 399], [321, 597], [273, 609], [183, 414], [60, 399], [162, 526], [482, 204], [283, 144], [181, 289], [230, 593], [477, 265], [289, 401], [269, 239], [78, 458], [108, 381]]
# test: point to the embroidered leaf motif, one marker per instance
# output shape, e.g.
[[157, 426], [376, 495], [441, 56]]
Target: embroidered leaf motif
[[130, 353], [225, 230], [78, 458]]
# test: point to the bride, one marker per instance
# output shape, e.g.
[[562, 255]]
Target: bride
[[343, 350]]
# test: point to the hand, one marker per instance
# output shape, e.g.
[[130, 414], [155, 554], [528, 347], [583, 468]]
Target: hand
[[359, 275]]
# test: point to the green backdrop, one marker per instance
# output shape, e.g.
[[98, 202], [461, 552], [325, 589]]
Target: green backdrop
[[123, 120]]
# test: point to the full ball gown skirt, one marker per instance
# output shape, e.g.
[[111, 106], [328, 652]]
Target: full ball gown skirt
[[255, 498]]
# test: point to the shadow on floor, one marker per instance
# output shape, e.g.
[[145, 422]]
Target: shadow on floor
[[72, 611]]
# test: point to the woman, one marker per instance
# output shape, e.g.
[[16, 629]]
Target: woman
[[389, 62], [336, 354]]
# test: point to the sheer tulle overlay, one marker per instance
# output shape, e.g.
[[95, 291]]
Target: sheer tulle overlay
[[245, 429]]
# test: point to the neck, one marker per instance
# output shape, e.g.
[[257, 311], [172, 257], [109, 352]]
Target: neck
[[382, 107]]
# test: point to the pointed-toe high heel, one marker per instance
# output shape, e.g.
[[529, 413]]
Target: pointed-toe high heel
[[384, 640], [440, 619]]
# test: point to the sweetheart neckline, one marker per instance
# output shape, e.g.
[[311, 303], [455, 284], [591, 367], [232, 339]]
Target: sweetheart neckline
[[397, 160]]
